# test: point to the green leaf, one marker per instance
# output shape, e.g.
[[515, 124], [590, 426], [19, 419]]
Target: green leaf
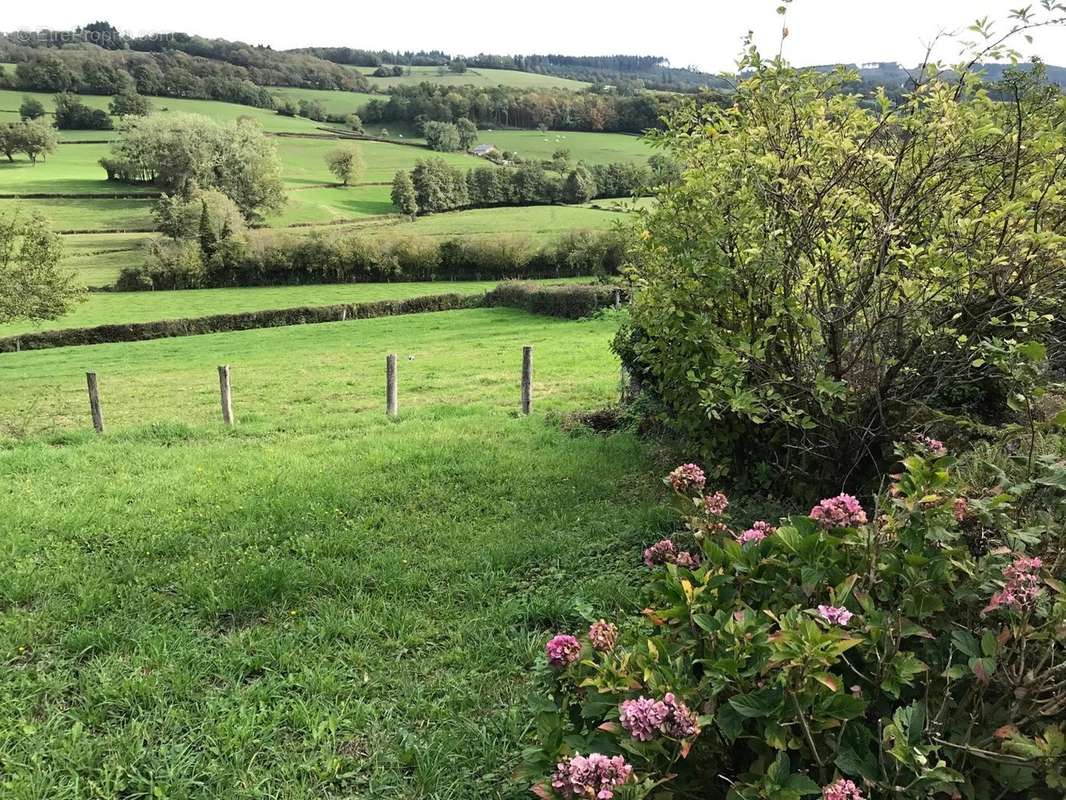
[[757, 704]]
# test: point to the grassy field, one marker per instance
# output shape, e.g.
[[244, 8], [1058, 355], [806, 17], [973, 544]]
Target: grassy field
[[593, 148], [333, 101], [320, 603], [304, 160], [106, 308], [81, 214], [488, 78], [539, 223]]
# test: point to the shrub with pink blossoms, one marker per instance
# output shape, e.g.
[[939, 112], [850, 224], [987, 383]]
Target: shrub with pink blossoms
[[593, 776], [687, 478], [562, 650], [786, 695], [843, 789], [842, 511], [1022, 585]]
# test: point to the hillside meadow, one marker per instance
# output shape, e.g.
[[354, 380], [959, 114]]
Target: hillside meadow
[[487, 78], [325, 603]]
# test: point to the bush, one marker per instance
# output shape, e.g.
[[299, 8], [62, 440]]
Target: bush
[[912, 648], [805, 294], [571, 301]]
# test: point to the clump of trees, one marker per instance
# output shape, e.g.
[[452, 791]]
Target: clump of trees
[[438, 186], [34, 138], [184, 153], [33, 286], [442, 136], [346, 163], [31, 108], [130, 104], [73, 114]]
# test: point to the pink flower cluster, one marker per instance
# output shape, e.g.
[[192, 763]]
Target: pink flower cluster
[[562, 650], [842, 511], [961, 508], [933, 447], [834, 615], [603, 635], [757, 532], [592, 776], [1022, 587], [843, 789], [715, 504], [646, 719], [687, 477], [665, 552]]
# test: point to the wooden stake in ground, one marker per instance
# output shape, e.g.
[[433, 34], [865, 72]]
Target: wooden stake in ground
[[227, 400], [527, 379], [94, 401], [392, 406]]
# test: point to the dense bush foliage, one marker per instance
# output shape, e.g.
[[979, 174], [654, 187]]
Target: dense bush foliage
[[570, 302], [32, 285], [270, 259], [912, 648], [73, 115], [823, 276], [439, 186], [35, 138]]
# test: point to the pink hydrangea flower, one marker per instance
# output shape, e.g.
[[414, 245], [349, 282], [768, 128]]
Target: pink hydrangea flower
[[595, 776], [834, 615], [603, 635], [1022, 586], [562, 650], [646, 719], [687, 560], [960, 509], [687, 477], [680, 723], [665, 552], [756, 533], [643, 717], [843, 789], [842, 511], [660, 553], [933, 447], [716, 503]]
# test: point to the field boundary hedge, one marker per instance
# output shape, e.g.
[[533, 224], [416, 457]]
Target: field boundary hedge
[[570, 302], [221, 323]]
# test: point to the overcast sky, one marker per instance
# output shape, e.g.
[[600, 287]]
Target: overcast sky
[[705, 33]]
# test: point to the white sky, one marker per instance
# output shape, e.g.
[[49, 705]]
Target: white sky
[[705, 33]]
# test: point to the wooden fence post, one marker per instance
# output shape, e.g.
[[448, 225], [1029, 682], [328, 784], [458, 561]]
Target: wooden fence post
[[391, 401], [227, 400], [94, 401], [527, 379]]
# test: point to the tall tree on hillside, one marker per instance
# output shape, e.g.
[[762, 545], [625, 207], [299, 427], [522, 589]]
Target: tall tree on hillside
[[403, 193], [442, 136], [31, 108], [36, 139], [467, 133], [32, 285], [580, 186], [346, 163]]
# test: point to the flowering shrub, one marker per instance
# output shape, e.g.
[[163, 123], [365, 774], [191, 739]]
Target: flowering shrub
[[913, 648]]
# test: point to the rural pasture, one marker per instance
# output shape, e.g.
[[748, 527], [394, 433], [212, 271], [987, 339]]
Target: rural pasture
[[487, 78], [319, 602]]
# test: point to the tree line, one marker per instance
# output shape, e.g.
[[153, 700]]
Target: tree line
[[501, 106], [434, 185]]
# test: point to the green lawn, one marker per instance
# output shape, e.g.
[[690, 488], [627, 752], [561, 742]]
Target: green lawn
[[487, 78], [537, 222], [304, 160], [79, 214], [72, 169], [97, 258], [107, 308], [320, 603]]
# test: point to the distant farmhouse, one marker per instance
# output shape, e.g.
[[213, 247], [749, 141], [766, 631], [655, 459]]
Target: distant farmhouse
[[483, 150]]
